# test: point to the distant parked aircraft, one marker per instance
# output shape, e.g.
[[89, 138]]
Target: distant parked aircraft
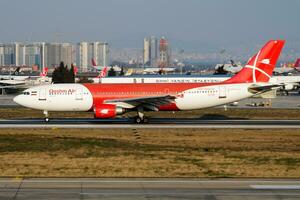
[[97, 67], [286, 70], [16, 81]]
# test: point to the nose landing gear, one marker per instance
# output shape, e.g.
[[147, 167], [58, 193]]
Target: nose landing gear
[[45, 112]]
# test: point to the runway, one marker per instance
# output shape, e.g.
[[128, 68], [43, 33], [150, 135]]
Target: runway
[[168, 189], [153, 123]]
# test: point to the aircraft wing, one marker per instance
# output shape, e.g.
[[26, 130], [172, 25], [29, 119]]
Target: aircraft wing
[[13, 86], [11, 82], [257, 89], [151, 103]]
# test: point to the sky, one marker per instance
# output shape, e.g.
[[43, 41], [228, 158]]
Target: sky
[[192, 25]]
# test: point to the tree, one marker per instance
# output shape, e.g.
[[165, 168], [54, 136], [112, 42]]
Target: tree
[[72, 74], [122, 73], [63, 74], [111, 72], [84, 80]]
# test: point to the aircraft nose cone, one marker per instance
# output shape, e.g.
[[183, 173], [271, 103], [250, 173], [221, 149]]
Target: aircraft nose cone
[[17, 99]]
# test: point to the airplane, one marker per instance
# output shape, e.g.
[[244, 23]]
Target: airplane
[[14, 76], [232, 68], [110, 100], [16, 81], [102, 74], [157, 70], [44, 72], [94, 64], [287, 70], [100, 68]]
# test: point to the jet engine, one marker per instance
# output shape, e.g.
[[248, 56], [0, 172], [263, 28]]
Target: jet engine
[[105, 111], [289, 87]]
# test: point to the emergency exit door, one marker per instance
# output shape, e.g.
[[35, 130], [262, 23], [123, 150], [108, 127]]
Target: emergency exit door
[[222, 92], [42, 94], [79, 94]]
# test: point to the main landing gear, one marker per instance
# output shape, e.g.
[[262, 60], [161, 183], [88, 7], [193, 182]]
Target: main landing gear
[[45, 112], [140, 118]]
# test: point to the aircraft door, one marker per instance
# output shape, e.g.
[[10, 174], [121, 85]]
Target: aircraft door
[[42, 94], [79, 94], [222, 92]]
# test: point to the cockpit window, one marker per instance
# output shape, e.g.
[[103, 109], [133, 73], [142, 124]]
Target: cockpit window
[[26, 93]]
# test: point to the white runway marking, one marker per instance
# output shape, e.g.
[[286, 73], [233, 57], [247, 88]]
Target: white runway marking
[[182, 193], [276, 187]]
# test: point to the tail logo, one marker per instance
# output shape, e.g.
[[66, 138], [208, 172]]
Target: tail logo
[[255, 68]]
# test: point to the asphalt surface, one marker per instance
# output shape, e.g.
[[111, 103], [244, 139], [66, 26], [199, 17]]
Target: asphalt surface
[[167, 189], [153, 123]]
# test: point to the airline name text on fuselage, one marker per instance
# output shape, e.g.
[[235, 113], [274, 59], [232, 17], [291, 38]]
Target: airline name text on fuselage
[[61, 91]]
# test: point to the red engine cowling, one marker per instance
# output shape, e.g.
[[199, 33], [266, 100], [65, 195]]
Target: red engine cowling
[[107, 111]]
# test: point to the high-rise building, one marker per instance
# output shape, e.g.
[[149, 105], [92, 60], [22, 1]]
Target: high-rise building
[[102, 54], [8, 54], [33, 54], [42, 53], [19, 54], [99, 51], [2, 55], [66, 53], [154, 51], [51, 54], [147, 51], [82, 56], [150, 54], [164, 53], [54, 53]]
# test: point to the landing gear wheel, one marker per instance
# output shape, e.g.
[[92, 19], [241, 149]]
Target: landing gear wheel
[[138, 120], [146, 120]]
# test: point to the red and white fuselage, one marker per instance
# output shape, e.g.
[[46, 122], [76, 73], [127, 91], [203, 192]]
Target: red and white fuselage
[[84, 97]]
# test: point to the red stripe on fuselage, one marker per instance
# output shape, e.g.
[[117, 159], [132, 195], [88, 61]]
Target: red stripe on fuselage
[[102, 92]]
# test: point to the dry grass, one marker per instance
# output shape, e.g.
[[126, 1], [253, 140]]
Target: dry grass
[[150, 153]]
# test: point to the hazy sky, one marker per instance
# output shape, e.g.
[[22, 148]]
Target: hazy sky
[[194, 25]]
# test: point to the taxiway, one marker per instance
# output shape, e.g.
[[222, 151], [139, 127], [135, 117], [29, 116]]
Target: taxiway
[[153, 123], [99, 188]]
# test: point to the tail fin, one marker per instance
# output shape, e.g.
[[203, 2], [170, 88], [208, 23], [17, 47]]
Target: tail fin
[[44, 72], [94, 62], [297, 63], [75, 70], [17, 71], [260, 67], [103, 72]]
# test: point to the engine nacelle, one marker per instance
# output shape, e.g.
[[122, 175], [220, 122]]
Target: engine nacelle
[[289, 86], [106, 111]]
